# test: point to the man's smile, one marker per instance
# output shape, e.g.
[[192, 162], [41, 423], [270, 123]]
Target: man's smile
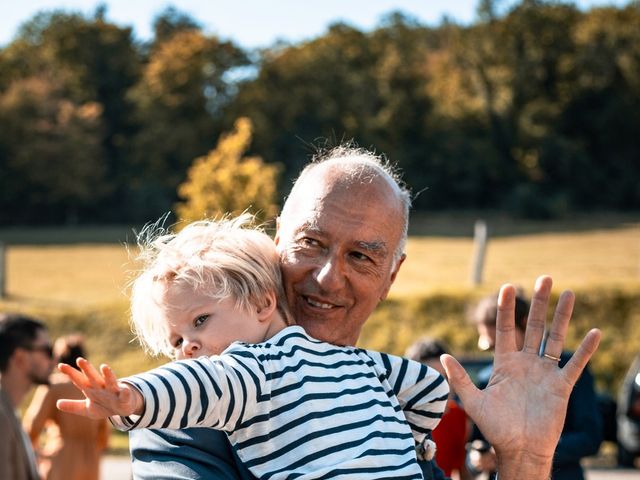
[[319, 304]]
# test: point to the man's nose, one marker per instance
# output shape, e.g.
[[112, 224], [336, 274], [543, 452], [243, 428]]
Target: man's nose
[[330, 274]]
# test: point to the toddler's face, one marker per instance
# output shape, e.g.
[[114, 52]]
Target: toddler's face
[[198, 325]]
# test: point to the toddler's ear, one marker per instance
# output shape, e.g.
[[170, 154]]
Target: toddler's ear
[[268, 307]]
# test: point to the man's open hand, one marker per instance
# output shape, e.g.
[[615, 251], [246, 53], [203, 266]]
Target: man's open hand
[[521, 412]]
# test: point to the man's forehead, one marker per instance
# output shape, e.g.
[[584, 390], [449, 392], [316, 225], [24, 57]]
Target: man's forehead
[[317, 195], [366, 211]]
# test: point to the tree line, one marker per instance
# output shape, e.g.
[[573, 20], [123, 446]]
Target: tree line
[[535, 110]]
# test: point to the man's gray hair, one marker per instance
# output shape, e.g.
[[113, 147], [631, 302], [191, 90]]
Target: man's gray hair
[[362, 165]]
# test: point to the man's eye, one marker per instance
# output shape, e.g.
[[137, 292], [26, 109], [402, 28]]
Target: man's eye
[[200, 320], [309, 242], [360, 256]]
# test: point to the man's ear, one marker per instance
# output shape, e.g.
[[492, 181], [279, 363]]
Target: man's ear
[[268, 307], [392, 277]]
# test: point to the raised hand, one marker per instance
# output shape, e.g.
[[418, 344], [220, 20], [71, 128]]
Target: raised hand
[[105, 397], [522, 410]]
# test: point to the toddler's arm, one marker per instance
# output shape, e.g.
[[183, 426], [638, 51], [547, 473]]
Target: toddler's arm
[[105, 396], [421, 391], [216, 392]]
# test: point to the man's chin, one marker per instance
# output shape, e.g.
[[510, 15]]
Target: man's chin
[[315, 325], [330, 330]]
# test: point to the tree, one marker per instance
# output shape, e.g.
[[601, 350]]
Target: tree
[[90, 61], [171, 21], [179, 99], [323, 88], [600, 123], [50, 153], [224, 181]]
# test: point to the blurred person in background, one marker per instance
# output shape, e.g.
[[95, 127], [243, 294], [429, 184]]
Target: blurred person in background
[[68, 447], [628, 416], [25, 360], [583, 431], [452, 432]]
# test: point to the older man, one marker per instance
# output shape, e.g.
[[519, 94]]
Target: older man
[[25, 360], [341, 237]]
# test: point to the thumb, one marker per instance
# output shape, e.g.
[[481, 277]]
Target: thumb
[[459, 380], [77, 407]]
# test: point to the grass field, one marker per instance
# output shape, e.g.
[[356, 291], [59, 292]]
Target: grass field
[[85, 273], [575, 260]]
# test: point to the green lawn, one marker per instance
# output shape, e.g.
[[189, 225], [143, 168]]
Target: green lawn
[[66, 268]]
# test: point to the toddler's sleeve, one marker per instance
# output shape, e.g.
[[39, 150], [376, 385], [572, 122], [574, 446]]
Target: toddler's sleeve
[[215, 392]]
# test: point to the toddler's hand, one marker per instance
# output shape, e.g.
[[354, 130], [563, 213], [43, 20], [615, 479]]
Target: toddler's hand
[[105, 397]]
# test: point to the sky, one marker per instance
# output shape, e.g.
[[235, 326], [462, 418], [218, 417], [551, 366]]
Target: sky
[[255, 23]]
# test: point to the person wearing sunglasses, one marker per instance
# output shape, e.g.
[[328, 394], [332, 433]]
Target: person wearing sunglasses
[[26, 359], [68, 447]]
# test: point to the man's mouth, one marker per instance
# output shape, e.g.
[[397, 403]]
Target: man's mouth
[[318, 304]]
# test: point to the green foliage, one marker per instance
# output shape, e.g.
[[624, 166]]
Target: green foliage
[[534, 108], [224, 181], [178, 103], [171, 21], [80, 67], [53, 146]]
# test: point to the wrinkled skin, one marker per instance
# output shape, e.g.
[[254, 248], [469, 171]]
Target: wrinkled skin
[[522, 410]]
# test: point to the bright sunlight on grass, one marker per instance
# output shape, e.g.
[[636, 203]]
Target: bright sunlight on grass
[[93, 274]]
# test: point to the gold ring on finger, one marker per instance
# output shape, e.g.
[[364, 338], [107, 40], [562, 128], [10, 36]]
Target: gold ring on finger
[[551, 357]]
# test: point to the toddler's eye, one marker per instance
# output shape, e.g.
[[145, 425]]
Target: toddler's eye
[[200, 320], [177, 343]]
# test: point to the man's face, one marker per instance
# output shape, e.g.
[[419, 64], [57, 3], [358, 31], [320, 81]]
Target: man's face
[[40, 359], [336, 244]]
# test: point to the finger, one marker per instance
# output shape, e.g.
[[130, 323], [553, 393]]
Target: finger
[[574, 367], [460, 382], [90, 371], [560, 324], [77, 407], [505, 320], [110, 380], [76, 377], [537, 315]]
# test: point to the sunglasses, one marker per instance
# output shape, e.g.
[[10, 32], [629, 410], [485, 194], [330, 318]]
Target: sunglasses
[[46, 349]]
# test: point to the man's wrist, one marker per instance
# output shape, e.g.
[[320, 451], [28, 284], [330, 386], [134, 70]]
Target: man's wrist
[[523, 466]]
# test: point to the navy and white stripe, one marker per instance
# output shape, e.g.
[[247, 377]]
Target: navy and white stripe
[[295, 407]]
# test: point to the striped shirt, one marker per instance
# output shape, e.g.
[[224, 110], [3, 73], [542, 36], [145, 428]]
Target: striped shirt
[[296, 407]]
